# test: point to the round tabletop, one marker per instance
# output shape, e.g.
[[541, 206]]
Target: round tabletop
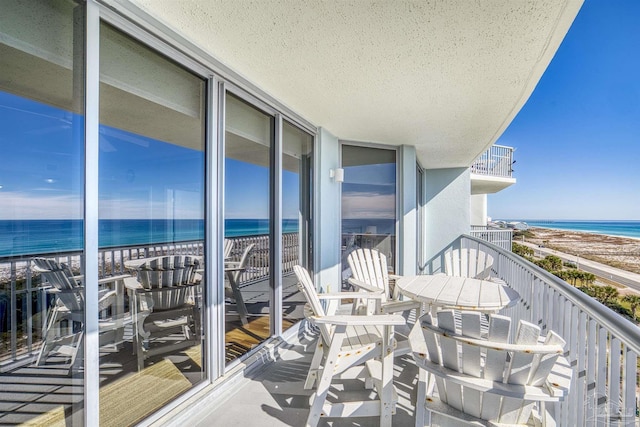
[[461, 293]]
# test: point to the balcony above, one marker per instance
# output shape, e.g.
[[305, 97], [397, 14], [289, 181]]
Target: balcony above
[[491, 171]]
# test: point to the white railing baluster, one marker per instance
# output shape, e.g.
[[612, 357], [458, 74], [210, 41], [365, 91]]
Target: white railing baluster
[[629, 402], [581, 354], [614, 381], [602, 418]]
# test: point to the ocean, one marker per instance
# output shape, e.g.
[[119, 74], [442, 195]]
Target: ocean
[[27, 237], [613, 228]]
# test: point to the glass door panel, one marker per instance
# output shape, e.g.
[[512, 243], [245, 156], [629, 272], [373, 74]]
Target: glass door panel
[[368, 201], [41, 213], [248, 167], [296, 217], [151, 219]]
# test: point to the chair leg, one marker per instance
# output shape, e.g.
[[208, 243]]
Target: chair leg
[[79, 349], [386, 394], [312, 376], [326, 375], [48, 336], [237, 295]]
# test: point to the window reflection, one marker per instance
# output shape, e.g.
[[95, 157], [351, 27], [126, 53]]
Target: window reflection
[[248, 142], [296, 217], [151, 209], [41, 217], [369, 201]]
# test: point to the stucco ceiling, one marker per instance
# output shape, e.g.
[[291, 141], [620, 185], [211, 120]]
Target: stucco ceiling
[[445, 76]]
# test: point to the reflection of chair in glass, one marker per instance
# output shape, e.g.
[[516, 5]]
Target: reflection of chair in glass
[[234, 270], [228, 248], [64, 330], [484, 379], [350, 347], [163, 305]]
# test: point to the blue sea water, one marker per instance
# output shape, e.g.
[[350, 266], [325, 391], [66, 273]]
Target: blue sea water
[[613, 228], [26, 237]]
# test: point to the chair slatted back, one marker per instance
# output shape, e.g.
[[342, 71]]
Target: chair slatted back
[[468, 262], [228, 248], [242, 264], [370, 266], [488, 360], [308, 289], [60, 276], [169, 271]]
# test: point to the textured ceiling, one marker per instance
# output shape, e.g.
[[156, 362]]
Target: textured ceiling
[[445, 76]]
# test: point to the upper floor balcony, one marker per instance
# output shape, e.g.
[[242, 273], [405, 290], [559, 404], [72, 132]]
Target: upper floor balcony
[[492, 170]]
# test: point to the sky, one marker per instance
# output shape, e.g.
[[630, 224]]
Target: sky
[[577, 138]]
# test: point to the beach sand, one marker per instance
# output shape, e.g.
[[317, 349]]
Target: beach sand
[[619, 252]]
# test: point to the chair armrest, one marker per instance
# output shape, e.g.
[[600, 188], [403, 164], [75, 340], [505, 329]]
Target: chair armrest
[[351, 320], [395, 277], [168, 288], [132, 284], [398, 306], [362, 285], [345, 295], [112, 279]]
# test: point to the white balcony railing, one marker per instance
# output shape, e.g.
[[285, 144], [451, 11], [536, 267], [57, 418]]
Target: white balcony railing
[[496, 161], [499, 237], [602, 346]]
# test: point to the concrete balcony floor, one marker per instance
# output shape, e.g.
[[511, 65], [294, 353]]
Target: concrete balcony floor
[[275, 396]]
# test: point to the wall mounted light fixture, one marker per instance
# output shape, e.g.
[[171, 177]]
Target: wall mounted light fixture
[[337, 174]]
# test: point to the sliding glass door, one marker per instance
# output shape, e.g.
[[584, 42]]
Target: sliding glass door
[[369, 201], [41, 212], [297, 156], [151, 209]]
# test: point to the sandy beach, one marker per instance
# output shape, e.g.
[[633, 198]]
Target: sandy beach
[[619, 252]]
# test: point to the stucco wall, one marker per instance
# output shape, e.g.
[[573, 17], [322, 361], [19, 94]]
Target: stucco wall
[[478, 212], [447, 212]]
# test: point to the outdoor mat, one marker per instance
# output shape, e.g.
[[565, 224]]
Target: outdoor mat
[[53, 418], [130, 399]]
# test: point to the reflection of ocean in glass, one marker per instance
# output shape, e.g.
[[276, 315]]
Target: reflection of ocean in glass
[[369, 226], [24, 237]]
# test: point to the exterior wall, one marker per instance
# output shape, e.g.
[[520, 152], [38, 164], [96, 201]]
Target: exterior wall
[[447, 213], [407, 215], [478, 204], [327, 212]]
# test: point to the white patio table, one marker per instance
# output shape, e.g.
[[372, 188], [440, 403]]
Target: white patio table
[[460, 293]]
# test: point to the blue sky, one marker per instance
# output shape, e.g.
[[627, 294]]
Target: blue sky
[[577, 139]]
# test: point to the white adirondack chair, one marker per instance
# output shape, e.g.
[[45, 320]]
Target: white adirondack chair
[[468, 262], [70, 305], [234, 270], [370, 274], [349, 346], [487, 380]]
